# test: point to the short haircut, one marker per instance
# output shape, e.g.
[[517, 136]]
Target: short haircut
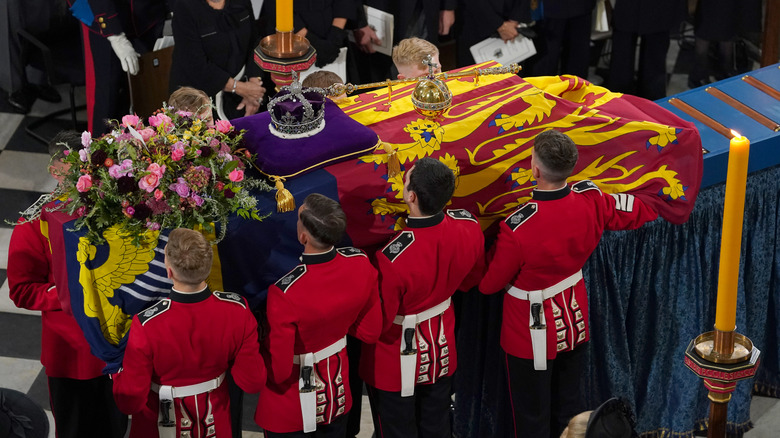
[[556, 154], [189, 99], [578, 425], [61, 142], [412, 51], [324, 219], [189, 255], [433, 183], [321, 79]]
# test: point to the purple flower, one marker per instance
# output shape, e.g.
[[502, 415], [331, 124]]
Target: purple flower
[[125, 184], [123, 169], [198, 200], [84, 154], [86, 139], [180, 188]]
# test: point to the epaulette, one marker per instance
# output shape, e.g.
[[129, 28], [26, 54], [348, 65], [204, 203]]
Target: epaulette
[[231, 297], [520, 216], [291, 277], [158, 309], [398, 245], [584, 186], [350, 251], [462, 214]]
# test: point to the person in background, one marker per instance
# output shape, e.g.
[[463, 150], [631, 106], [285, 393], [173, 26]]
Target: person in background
[[119, 31], [494, 18], [714, 22], [650, 21], [324, 79], [564, 38], [180, 349], [332, 293], [538, 258], [192, 101], [409, 371], [408, 57], [79, 393], [613, 419], [214, 52], [431, 20]]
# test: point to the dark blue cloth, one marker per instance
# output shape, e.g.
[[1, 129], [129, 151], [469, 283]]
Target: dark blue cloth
[[651, 292]]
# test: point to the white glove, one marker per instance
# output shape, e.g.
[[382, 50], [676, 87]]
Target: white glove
[[125, 52]]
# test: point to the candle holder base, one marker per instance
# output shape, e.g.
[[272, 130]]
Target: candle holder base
[[721, 359]]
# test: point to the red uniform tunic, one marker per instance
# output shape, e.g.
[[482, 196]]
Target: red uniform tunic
[[420, 268], [185, 340], [327, 296], [64, 350], [545, 241]]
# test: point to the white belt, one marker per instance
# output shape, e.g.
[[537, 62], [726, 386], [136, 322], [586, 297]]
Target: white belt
[[306, 387], [539, 333], [409, 344], [168, 393]]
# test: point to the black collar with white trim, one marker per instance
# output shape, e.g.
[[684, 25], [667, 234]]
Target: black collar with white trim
[[320, 257], [550, 195], [424, 222], [190, 297]]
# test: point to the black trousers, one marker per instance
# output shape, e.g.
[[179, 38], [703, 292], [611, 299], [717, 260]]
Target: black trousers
[[85, 408], [336, 429], [651, 72], [426, 414], [543, 402], [564, 46]]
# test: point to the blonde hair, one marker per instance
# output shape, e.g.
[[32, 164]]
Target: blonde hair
[[577, 426], [189, 255], [189, 99], [321, 79], [412, 52]]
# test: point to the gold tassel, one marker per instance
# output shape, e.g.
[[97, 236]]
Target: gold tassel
[[284, 199], [393, 165]]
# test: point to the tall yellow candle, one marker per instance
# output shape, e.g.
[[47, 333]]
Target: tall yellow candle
[[731, 238], [284, 15]]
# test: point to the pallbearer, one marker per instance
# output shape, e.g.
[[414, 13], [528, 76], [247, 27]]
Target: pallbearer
[[538, 258], [332, 293], [409, 371]]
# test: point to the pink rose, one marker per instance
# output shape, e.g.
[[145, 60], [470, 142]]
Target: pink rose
[[160, 119], [220, 185], [147, 133], [66, 152], [236, 175], [156, 169], [198, 200], [84, 183], [223, 126], [149, 182], [130, 120], [86, 139], [177, 153], [123, 169], [158, 194], [154, 226]]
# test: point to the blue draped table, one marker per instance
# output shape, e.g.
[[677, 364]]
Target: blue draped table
[[653, 290]]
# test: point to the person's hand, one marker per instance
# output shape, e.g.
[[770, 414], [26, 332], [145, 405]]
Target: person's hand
[[251, 90], [125, 52], [365, 37], [249, 105], [446, 20], [508, 30]]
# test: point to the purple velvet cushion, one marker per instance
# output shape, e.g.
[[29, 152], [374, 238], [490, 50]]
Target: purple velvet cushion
[[343, 138]]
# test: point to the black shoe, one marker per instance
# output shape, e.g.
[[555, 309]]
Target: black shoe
[[48, 93], [22, 100]]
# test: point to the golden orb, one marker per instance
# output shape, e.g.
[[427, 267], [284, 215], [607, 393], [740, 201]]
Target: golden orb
[[431, 97]]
